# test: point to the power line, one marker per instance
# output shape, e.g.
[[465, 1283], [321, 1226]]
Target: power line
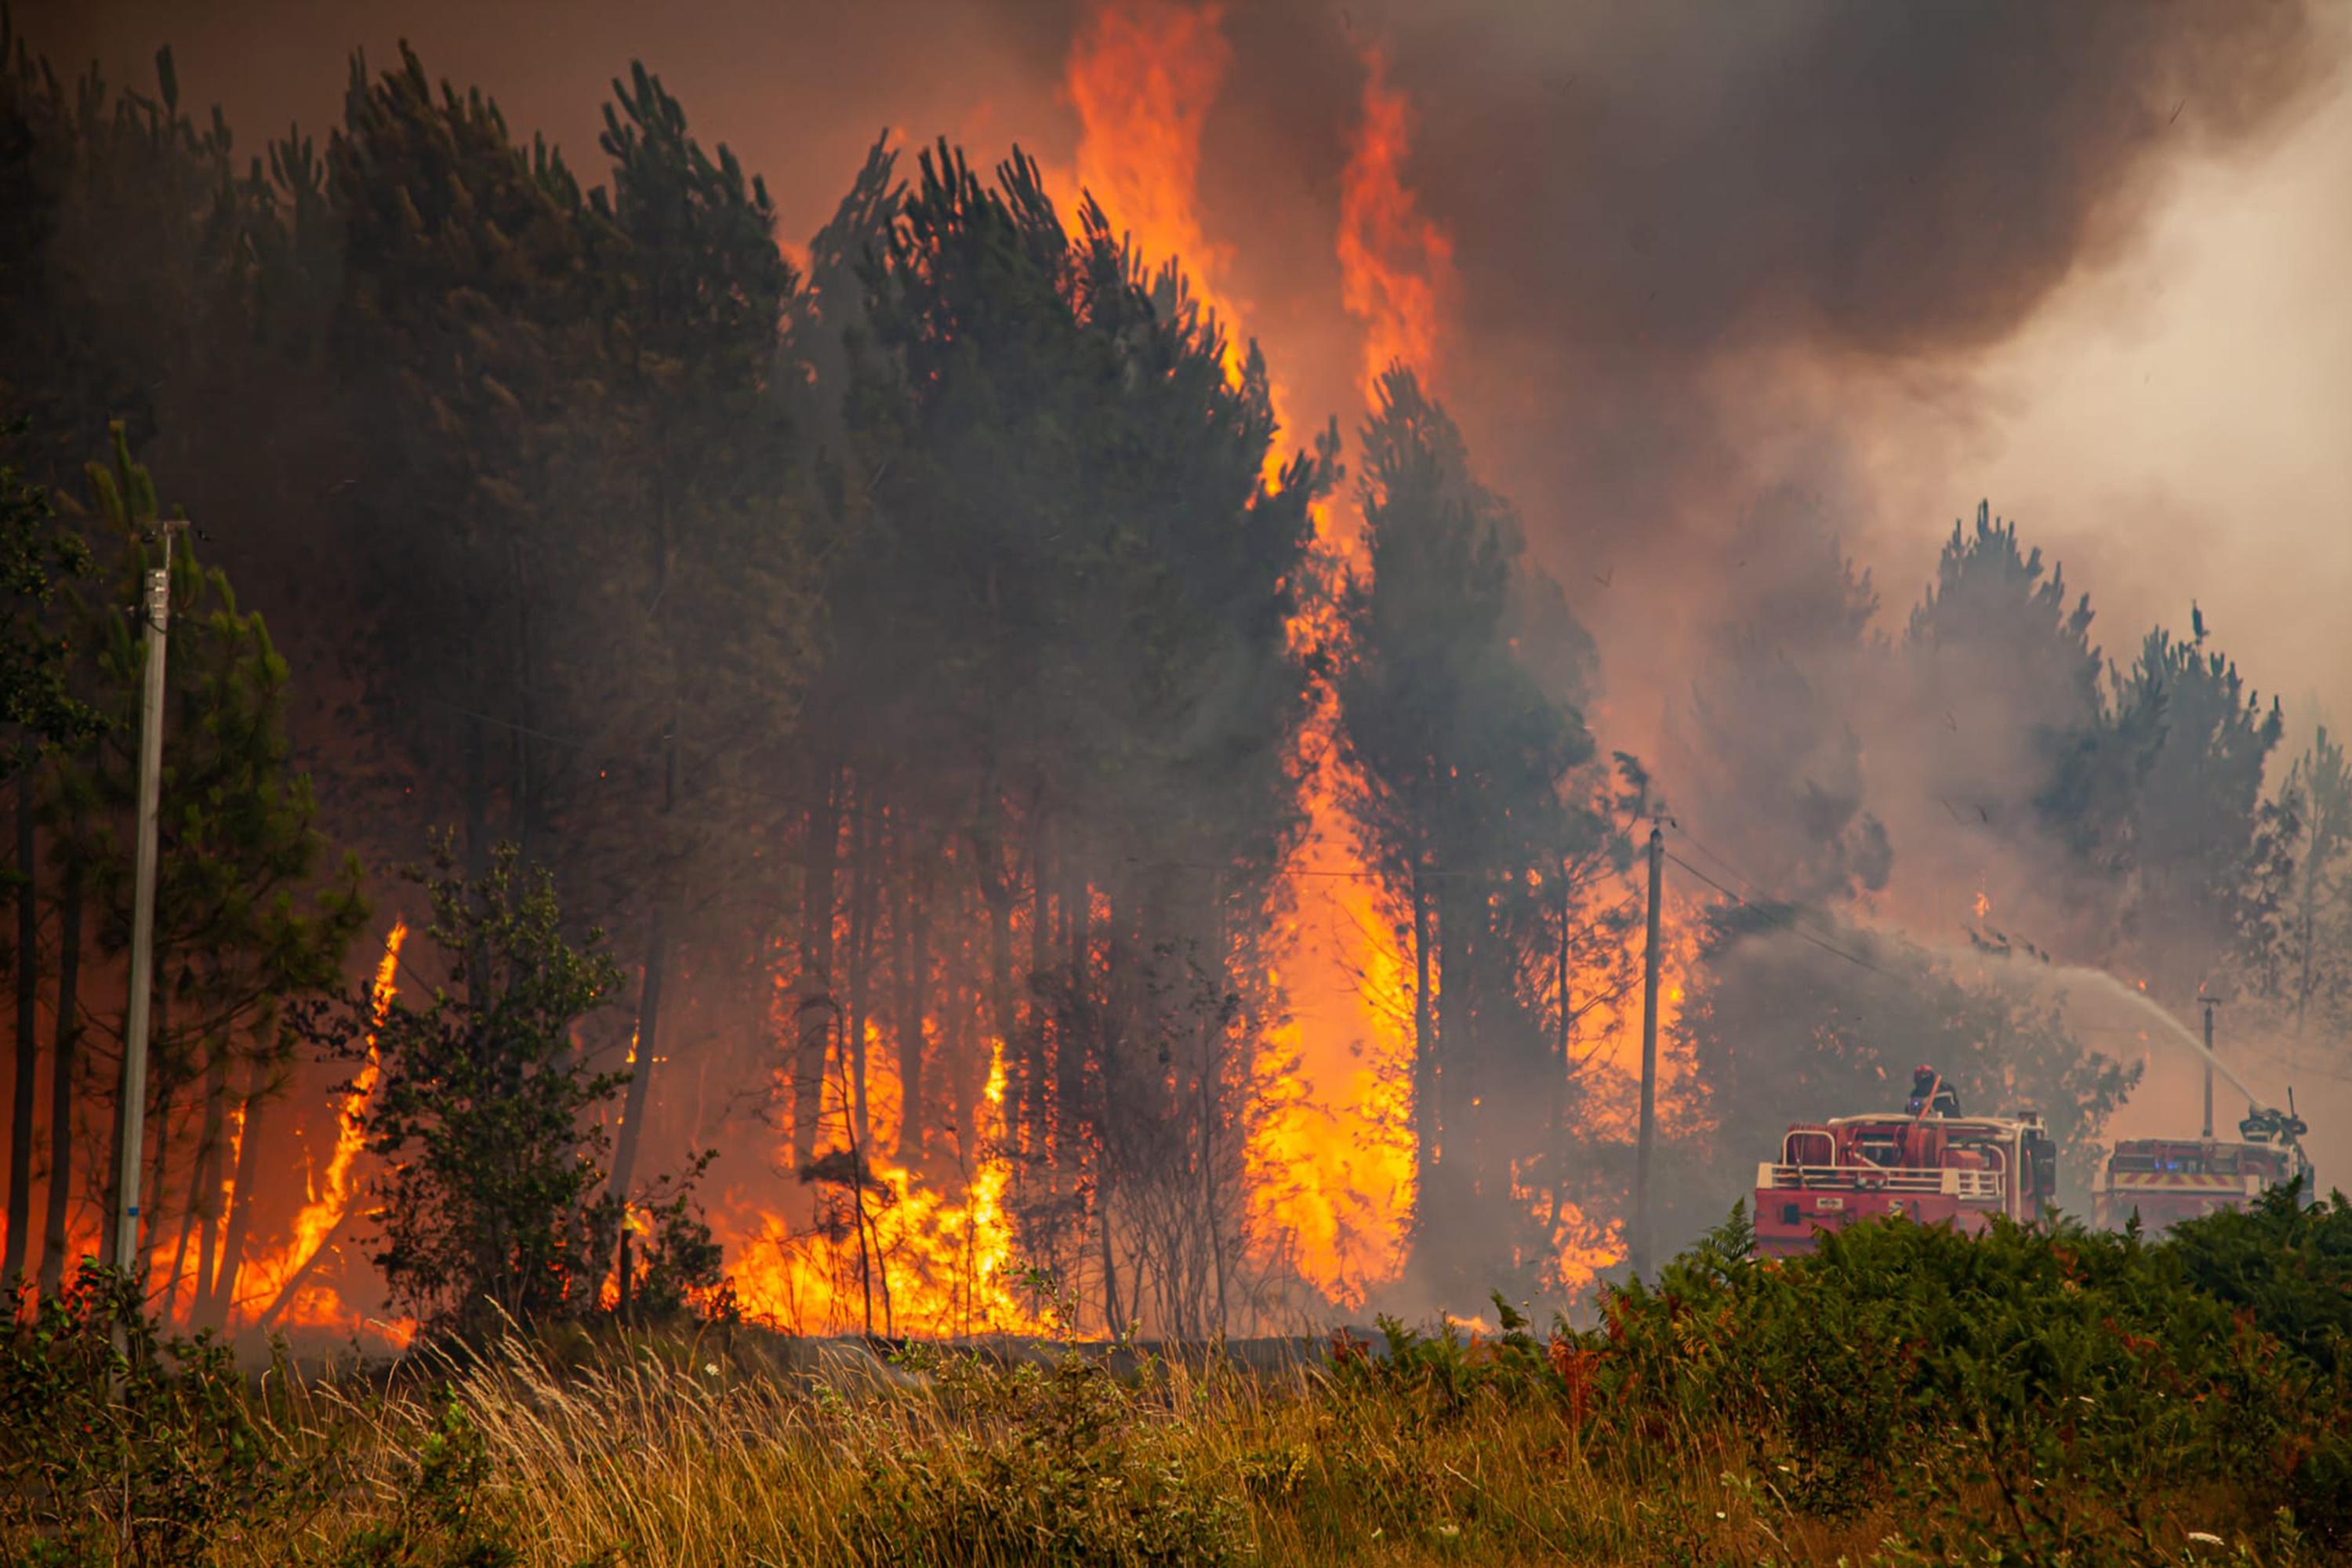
[[1782, 913]]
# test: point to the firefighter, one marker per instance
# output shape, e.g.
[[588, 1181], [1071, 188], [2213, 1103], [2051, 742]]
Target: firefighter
[[1931, 1094]]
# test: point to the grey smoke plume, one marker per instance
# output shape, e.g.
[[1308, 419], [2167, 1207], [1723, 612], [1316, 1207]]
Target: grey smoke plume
[[1648, 200]]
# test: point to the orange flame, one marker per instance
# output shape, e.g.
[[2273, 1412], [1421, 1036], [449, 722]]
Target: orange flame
[[1142, 77], [1396, 266], [931, 1266], [324, 1211]]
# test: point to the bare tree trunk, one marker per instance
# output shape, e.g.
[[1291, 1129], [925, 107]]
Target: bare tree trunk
[[523, 803], [996, 897], [222, 1301], [641, 1071], [203, 1213], [914, 999], [1045, 1115], [1425, 1049], [1113, 1318], [61, 1082], [1211, 1083], [151, 1197], [865, 832], [1079, 1037], [477, 800], [29, 1046], [821, 850]]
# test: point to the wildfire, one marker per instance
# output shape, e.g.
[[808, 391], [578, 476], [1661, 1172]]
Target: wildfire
[[1142, 77], [1396, 265], [324, 1212], [924, 1265]]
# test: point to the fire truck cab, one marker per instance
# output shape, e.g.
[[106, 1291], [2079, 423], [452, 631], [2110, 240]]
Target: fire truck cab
[[1931, 1168], [2164, 1181]]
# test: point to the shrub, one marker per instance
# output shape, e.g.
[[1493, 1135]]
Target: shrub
[[2058, 1390], [1057, 1467], [150, 1447]]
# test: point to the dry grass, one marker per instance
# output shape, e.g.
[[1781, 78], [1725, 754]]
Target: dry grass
[[670, 1454]]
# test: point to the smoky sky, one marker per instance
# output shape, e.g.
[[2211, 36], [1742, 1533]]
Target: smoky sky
[[1660, 213], [1643, 197]]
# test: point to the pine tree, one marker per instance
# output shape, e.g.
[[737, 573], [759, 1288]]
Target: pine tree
[[1462, 763], [2208, 856], [1771, 761]]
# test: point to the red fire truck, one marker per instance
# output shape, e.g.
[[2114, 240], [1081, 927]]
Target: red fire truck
[[1928, 1166], [2167, 1180]]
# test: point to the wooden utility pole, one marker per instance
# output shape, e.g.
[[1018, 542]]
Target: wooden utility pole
[[1640, 1248], [133, 1111]]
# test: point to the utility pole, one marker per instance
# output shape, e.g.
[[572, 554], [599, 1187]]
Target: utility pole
[[1640, 1249], [2210, 1002], [157, 605]]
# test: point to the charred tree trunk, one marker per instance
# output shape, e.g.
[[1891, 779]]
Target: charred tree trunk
[[649, 997], [151, 1196], [1044, 1118], [1079, 1037], [1211, 1100], [996, 897], [522, 805], [1424, 1047], [477, 800], [814, 1016], [28, 1047], [914, 1000], [62, 1082], [641, 1070], [865, 834], [237, 1224], [205, 1190]]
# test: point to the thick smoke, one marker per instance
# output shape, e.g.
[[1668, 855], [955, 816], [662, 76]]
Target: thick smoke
[[1657, 209]]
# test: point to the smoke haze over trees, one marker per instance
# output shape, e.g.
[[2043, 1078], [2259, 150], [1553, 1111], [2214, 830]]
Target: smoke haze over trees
[[936, 668]]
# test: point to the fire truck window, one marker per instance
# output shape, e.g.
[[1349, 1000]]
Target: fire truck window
[[1791, 1213]]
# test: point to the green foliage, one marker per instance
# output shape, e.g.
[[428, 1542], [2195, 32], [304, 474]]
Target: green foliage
[[2286, 1261], [436, 1519], [492, 1199], [2061, 1391], [683, 1269], [1442, 1375], [1060, 1467], [113, 1436], [238, 848], [2210, 857], [2308, 968]]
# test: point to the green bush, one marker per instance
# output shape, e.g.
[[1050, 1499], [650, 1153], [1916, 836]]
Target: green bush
[[436, 1520], [2287, 1263], [2064, 1392], [1058, 1467], [147, 1449]]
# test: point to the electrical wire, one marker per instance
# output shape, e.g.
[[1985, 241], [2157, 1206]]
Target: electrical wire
[[1780, 913]]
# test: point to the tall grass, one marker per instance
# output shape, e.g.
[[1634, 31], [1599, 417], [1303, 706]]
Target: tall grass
[[1905, 1397], [669, 1454]]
